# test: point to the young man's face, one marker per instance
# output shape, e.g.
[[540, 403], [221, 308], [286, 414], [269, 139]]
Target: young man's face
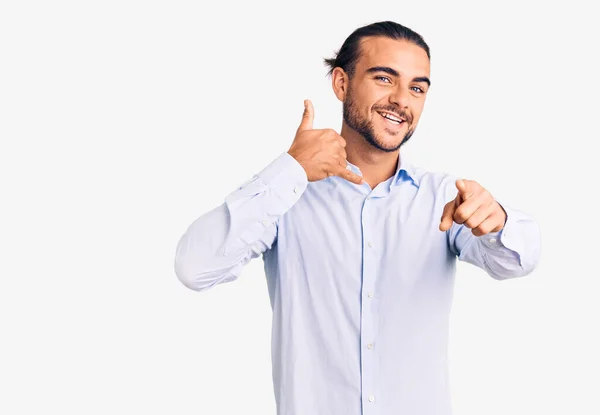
[[389, 82]]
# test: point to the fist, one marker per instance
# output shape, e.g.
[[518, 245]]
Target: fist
[[320, 152], [475, 207]]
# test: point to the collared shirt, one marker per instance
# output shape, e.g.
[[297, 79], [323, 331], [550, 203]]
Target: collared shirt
[[360, 281]]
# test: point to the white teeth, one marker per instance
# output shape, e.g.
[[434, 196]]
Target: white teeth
[[391, 117]]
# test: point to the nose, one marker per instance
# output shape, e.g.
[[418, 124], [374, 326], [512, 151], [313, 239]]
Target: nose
[[400, 96]]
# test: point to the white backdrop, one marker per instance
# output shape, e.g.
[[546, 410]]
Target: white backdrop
[[123, 121]]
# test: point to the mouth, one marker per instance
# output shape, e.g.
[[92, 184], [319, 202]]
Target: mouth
[[392, 119]]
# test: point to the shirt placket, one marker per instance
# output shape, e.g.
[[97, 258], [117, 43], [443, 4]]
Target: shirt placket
[[367, 343]]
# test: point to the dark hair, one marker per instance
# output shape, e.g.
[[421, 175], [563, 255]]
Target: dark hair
[[349, 53]]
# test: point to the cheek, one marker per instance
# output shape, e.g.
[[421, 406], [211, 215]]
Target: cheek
[[417, 110], [368, 97]]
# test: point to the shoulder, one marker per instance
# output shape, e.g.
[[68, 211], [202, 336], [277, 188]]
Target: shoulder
[[440, 183]]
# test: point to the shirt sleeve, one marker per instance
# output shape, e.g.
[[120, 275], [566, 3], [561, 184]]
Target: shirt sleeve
[[511, 252], [217, 245]]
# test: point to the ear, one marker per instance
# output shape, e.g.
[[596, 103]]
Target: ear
[[339, 83]]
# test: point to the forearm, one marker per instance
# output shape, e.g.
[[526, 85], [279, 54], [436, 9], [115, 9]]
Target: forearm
[[218, 244], [511, 252]]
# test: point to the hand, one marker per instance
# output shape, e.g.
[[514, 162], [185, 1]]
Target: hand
[[320, 152], [475, 207]]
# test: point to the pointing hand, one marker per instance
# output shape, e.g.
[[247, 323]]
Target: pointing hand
[[475, 207]]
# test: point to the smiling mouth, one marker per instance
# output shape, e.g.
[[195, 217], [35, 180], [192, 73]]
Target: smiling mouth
[[392, 118]]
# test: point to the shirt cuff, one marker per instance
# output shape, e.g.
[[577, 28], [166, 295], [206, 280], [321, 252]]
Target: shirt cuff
[[508, 236], [286, 178]]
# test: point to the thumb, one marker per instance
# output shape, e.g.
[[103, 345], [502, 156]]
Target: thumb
[[448, 215], [307, 116]]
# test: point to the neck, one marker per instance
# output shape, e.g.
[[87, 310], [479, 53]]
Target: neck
[[376, 165]]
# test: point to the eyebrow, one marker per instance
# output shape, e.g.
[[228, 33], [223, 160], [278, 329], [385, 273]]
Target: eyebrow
[[395, 73]]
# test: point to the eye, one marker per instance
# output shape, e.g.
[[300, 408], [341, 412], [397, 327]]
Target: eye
[[384, 79], [419, 89]]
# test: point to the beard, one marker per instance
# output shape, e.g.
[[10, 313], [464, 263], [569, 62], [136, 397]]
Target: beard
[[364, 127]]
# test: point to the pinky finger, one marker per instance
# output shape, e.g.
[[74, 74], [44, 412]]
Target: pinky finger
[[485, 227], [348, 175]]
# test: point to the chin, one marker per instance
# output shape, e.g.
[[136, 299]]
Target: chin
[[391, 139], [391, 142], [388, 145]]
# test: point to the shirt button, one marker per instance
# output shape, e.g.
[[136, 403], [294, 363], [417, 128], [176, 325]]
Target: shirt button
[[371, 398], [370, 244], [370, 295], [264, 222], [493, 240], [296, 189], [369, 346]]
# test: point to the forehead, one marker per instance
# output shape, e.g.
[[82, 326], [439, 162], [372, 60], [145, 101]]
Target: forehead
[[401, 55]]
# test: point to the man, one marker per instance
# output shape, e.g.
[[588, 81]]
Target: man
[[359, 245]]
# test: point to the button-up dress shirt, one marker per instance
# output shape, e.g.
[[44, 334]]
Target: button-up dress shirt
[[360, 281]]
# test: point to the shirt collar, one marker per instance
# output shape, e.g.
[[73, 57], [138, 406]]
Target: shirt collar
[[404, 165]]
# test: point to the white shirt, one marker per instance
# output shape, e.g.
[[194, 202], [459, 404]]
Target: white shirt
[[360, 281]]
